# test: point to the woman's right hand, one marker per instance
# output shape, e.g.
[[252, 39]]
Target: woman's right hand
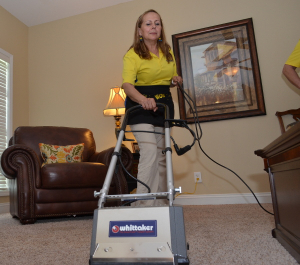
[[136, 96], [148, 104]]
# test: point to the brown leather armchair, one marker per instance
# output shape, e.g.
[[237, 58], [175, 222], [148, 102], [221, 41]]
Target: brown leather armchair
[[60, 189]]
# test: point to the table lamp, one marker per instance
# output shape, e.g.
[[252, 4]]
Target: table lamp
[[116, 106]]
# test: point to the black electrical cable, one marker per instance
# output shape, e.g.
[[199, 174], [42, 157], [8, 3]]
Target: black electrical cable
[[148, 188], [197, 123]]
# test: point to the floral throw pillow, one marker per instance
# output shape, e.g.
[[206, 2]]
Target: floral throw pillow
[[61, 154]]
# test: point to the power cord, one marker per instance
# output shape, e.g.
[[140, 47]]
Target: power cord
[[197, 137], [187, 192], [197, 124], [122, 165]]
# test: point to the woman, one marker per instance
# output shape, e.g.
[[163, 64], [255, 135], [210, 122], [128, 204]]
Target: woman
[[148, 72]]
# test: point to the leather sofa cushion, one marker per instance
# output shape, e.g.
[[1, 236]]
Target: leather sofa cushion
[[73, 175]]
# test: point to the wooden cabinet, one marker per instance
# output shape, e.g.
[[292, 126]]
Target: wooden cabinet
[[282, 162]]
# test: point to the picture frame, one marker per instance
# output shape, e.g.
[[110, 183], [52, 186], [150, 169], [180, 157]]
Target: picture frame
[[220, 71], [135, 147]]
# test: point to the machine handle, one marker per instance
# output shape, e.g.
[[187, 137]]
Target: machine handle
[[135, 108]]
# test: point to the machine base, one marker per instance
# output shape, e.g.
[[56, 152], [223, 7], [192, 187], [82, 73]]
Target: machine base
[[141, 235]]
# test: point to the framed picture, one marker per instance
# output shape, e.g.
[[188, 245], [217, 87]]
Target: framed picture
[[220, 72], [135, 147]]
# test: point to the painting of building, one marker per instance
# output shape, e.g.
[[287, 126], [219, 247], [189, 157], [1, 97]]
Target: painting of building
[[220, 80]]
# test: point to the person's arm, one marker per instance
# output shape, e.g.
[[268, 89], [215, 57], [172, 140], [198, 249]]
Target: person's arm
[[136, 96], [290, 73], [176, 78]]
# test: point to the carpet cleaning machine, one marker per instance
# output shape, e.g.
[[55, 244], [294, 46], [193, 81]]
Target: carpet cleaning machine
[[140, 235]]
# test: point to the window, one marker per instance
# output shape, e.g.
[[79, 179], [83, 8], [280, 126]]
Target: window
[[6, 64]]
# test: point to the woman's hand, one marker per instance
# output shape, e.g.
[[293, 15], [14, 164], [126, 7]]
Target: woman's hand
[[136, 96], [176, 80], [148, 104]]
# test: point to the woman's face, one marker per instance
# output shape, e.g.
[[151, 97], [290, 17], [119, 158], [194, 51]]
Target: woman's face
[[150, 29]]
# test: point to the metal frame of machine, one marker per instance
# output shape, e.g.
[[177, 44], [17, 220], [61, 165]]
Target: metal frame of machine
[[139, 235]]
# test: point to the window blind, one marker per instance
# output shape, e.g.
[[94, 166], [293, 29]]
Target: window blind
[[5, 86]]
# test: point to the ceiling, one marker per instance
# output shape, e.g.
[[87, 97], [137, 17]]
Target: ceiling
[[35, 12]]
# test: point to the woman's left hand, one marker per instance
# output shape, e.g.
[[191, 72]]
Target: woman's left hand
[[176, 80]]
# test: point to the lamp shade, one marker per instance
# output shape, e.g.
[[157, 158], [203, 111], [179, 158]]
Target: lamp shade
[[115, 105]]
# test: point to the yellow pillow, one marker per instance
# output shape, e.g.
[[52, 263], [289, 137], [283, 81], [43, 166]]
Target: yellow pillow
[[61, 154]]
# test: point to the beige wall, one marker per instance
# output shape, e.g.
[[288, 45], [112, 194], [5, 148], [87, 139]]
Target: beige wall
[[14, 40], [74, 62]]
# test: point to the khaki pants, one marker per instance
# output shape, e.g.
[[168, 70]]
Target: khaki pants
[[152, 163]]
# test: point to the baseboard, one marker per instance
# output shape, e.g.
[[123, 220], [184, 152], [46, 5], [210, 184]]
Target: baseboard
[[213, 199], [4, 207]]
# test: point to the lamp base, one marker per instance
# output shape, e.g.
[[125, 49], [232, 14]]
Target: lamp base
[[118, 123]]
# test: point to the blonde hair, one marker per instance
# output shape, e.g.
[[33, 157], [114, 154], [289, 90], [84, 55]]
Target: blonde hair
[[140, 47]]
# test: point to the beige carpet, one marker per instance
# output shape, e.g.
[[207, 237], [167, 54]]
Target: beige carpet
[[218, 234]]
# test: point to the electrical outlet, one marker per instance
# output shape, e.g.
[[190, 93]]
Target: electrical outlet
[[197, 177]]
